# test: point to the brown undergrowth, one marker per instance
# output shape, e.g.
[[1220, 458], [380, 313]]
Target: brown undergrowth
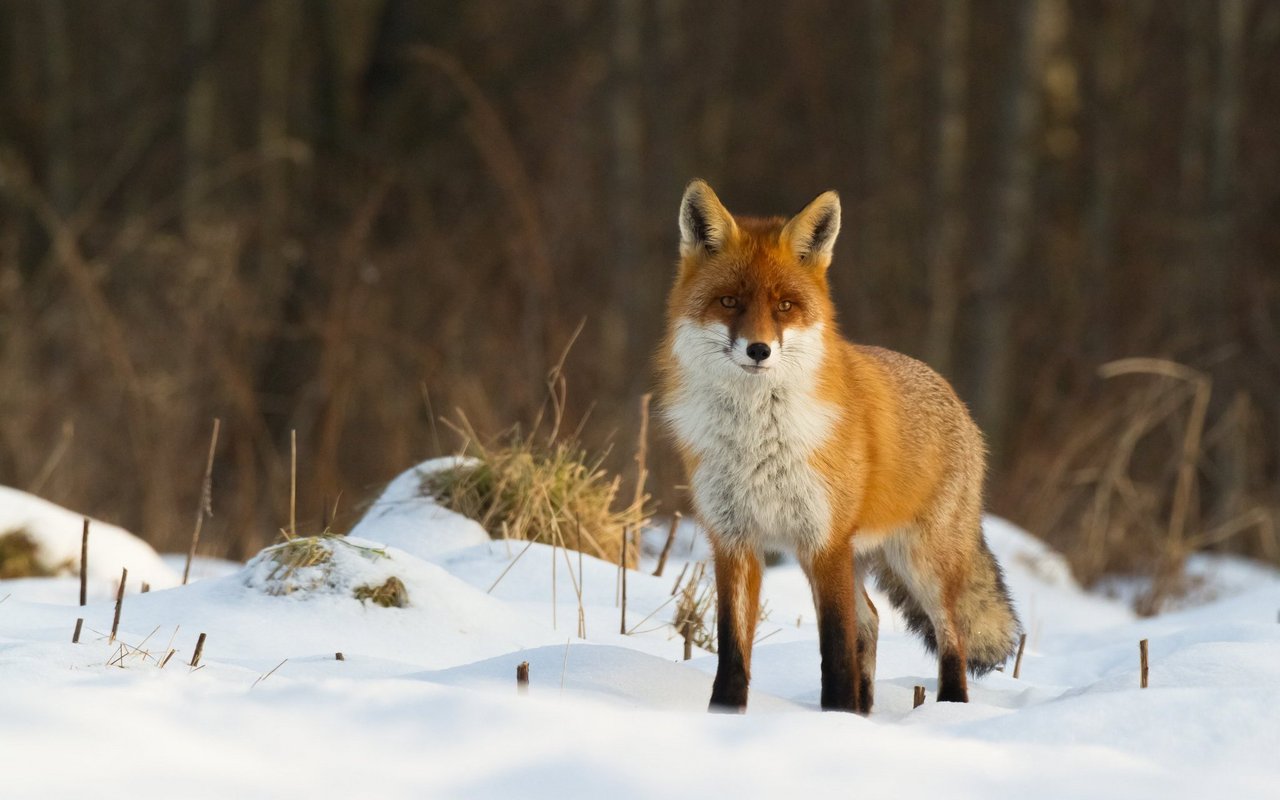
[[1126, 493]]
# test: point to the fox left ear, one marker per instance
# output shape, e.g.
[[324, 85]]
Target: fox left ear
[[811, 234]]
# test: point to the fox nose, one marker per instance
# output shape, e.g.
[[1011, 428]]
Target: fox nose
[[758, 351]]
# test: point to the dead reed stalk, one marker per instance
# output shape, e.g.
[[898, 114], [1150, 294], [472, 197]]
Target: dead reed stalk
[[293, 483], [84, 563], [1017, 663], [195, 657], [115, 623], [522, 677], [917, 698], [206, 500], [1142, 663], [666, 547]]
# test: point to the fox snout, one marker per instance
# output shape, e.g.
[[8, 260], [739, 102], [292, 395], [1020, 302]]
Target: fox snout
[[754, 356]]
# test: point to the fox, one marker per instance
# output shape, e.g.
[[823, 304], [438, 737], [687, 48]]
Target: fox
[[856, 459]]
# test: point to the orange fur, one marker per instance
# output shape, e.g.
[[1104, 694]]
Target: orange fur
[[891, 461]]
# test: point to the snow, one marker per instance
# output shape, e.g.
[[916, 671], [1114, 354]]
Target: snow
[[425, 703], [58, 533]]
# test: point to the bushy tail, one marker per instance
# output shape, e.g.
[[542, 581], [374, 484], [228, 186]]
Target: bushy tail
[[985, 612]]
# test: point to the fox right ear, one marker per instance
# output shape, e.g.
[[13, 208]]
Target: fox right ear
[[704, 221]]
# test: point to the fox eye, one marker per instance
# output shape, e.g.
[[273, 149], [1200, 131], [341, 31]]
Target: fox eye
[[729, 301], [784, 305]]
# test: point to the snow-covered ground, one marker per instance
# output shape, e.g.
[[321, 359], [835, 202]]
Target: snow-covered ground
[[424, 703]]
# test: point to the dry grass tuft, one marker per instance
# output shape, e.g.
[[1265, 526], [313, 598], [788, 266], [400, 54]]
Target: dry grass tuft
[[391, 594], [292, 557], [552, 493], [19, 557], [695, 617]]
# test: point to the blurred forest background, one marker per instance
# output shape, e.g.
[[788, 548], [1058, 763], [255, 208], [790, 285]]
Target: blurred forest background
[[312, 215]]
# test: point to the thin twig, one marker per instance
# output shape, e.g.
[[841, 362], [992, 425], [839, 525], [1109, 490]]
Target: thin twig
[[269, 674], [1017, 663], [206, 500], [293, 482], [1142, 663], [649, 616], [75, 637], [509, 566], [55, 458], [431, 418], [564, 666], [666, 548], [676, 586], [84, 563], [622, 570], [115, 623]]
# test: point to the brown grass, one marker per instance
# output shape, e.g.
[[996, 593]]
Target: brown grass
[[545, 488], [391, 594], [19, 558], [695, 617], [1127, 493]]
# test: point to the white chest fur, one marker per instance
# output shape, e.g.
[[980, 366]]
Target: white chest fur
[[754, 435]]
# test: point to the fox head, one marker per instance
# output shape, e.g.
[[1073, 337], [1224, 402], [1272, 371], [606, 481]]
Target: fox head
[[751, 299]]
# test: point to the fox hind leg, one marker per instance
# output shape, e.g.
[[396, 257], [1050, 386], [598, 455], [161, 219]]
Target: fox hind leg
[[926, 588], [868, 634]]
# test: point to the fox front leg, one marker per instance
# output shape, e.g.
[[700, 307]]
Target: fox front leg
[[832, 576], [738, 575]]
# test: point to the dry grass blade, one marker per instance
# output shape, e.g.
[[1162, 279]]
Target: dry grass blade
[[269, 674], [507, 569]]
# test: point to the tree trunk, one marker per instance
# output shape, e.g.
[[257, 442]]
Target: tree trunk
[[947, 145], [625, 205], [60, 159], [869, 237], [198, 116], [1008, 222]]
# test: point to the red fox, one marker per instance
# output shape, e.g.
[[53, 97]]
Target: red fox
[[795, 439]]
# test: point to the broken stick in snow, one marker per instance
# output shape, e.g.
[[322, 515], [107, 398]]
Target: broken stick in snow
[[115, 623], [1017, 664]]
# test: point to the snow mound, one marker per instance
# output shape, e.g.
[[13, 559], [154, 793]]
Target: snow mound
[[56, 533], [406, 518], [331, 565]]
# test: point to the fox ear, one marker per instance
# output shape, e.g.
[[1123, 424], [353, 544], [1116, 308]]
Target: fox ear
[[811, 234], [704, 221]]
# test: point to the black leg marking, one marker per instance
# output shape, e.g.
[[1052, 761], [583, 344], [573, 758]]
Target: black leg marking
[[951, 680], [840, 673], [866, 691], [729, 692]]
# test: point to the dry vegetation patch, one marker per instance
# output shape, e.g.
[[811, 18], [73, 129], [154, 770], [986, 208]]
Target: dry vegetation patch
[[327, 564], [20, 557], [552, 494]]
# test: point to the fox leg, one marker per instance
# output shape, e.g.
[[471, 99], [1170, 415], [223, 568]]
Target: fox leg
[[868, 634], [933, 577], [831, 574], [738, 572]]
